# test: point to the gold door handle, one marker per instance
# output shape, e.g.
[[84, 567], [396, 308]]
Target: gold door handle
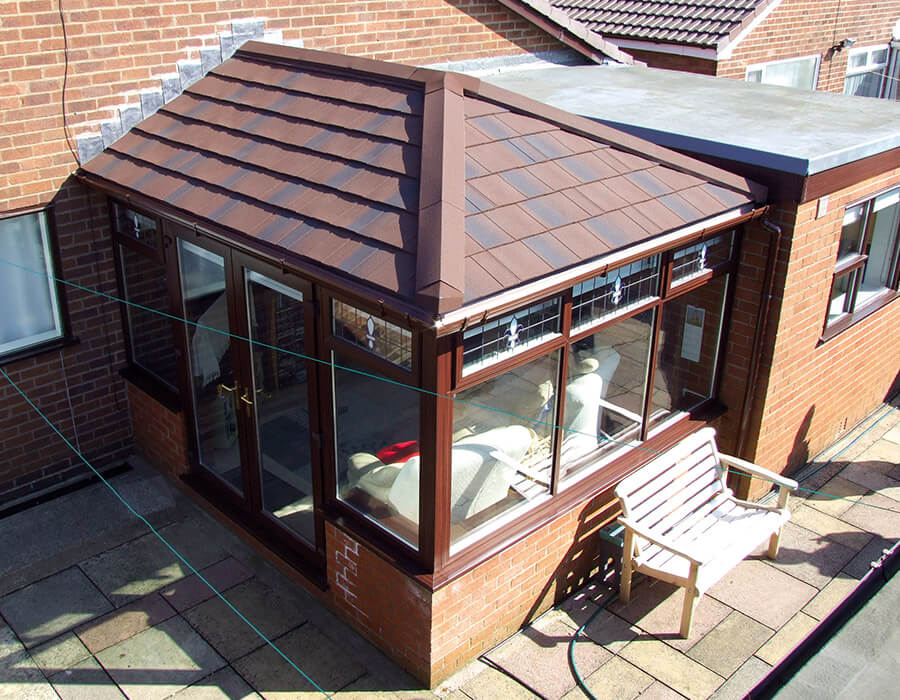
[[245, 397], [230, 389]]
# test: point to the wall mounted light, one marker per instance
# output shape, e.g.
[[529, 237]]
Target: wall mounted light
[[845, 44]]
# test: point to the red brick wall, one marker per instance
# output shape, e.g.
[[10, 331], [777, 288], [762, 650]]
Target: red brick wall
[[78, 387], [811, 392], [159, 433], [804, 27]]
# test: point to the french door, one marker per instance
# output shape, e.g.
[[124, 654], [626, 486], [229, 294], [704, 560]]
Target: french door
[[253, 391]]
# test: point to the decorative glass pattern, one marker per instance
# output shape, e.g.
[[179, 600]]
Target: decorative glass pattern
[[701, 257], [504, 337], [135, 226], [615, 292], [380, 337]]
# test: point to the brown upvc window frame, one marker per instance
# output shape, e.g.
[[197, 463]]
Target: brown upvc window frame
[[853, 266], [563, 495]]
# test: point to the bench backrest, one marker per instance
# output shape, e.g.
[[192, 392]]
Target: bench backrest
[[669, 493]]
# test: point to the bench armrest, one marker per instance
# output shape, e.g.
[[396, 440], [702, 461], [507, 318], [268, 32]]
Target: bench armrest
[[755, 470], [660, 540]]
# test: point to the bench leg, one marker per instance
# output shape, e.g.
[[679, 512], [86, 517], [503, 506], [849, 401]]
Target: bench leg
[[687, 611], [625, 582], [773, 544]]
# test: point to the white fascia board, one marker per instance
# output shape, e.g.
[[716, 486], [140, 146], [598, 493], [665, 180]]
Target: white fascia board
[[657, 47], [728, 50], [503, 299]]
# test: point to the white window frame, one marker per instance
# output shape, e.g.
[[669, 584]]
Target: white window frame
[[870, 66], [762, 68], [58, 330]]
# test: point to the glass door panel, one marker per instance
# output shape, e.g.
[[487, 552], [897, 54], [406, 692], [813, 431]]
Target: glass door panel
[[280, 395], [212, 372]]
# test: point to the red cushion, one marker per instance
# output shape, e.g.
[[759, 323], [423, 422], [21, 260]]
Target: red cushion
[[398, 452]]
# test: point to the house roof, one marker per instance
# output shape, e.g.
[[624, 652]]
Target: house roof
[[800, 132], [432, 187], [703, 23]]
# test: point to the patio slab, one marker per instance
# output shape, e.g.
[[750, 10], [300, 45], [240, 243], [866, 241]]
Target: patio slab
[[86, 680], [328, 666], [762, 592], [788, 637], [160, 661], [491, 684], [673, 668], [615, 679], [730, 644], [833, 528], [60, 653], [812, 558], [830, 597], [836, 497], [748, 675], [876, 514], [123, 623], [537, 655], [224, 684], [190, 591], [145, 565], [52, 606], [271, 613]]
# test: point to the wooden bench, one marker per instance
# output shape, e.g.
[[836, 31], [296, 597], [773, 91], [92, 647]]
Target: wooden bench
[[683, 524]]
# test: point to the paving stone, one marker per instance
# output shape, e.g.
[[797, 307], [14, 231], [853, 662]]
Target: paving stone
[[86, 680], [885, 450], [741, 683], [190, 591], [371, 688], [49, 607], [656, 606], [160, 661], [615, 679], [762, 592], [59, 654], [537, 654], [860, 565], [833, 528], [730, 644], [21, 679], [123, 623], [874, 476], [837, 496], [272, 614], [328, 666], [877, 514], [145, 565], [10, 646], [830, 597], [660, 691], [672, 667], [492, 684], [893, 435], [789, 636], [224, 684], [809, 557], [610, 631]]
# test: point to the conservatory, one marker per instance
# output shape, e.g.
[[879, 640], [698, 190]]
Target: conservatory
[[406, 330]]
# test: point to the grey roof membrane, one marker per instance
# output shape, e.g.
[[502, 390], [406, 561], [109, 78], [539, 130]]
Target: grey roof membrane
[[787, 129]]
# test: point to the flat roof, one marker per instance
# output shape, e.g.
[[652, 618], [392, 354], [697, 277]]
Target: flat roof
[[787, 129]]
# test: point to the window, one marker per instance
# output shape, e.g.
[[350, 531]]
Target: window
[[794, 72], [639, 354], [31, 314], [374, 334], [867, 260], [867, 71], [376, 425]]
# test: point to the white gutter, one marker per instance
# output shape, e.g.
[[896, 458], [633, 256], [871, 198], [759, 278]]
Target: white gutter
[[479, 308]]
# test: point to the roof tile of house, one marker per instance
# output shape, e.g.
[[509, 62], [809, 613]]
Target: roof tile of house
[[696, 22], [432, 187]]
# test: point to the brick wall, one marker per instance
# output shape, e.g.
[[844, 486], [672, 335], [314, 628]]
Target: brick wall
[[812, 392], [159, 433], [804, 27], [671, 61], [77, 386]]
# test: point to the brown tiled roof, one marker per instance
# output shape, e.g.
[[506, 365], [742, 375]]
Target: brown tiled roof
[[704, 23], [431, 187]]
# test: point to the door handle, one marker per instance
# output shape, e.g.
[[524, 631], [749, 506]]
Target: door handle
[[245, 398], [230, 389]]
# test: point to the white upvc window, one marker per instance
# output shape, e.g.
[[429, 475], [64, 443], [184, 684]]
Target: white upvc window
[[31, 314], [800, 72], [867, 69]]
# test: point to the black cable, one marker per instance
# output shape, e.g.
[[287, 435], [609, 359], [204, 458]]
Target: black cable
[[62, 23]]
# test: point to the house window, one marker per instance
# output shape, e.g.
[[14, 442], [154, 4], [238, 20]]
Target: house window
[[867, 71], [865, 273], [378, 336], [31, 314], [793, 72], [618, 358]]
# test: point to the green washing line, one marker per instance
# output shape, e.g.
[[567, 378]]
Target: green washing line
[[160, 537], [428, 392]]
